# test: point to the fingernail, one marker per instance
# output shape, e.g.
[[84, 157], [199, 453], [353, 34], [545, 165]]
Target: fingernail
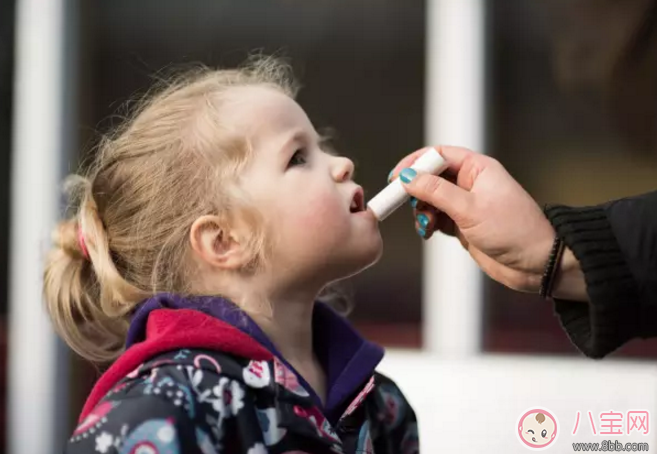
[[390, 175], [423, 219], [413, 202], [407, 175], [421, 232]]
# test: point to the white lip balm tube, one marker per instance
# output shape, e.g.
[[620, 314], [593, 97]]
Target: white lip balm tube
[[393, 196]]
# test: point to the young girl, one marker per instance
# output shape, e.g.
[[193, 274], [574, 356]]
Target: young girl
[[204, 232]]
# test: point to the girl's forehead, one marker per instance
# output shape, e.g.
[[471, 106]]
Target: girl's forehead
[[261, 106], [269, 118]]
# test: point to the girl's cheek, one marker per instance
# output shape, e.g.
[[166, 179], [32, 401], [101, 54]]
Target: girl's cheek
[[332, 212]]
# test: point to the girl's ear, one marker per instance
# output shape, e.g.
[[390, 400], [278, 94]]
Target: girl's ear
[[214, 243]]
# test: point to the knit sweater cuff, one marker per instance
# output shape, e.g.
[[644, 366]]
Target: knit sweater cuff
[[613, 315]]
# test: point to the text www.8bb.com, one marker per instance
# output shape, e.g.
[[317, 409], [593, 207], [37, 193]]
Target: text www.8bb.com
[[610, 446]]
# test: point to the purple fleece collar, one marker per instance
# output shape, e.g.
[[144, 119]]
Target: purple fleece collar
[[346, 357]]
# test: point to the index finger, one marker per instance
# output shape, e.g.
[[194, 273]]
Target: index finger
[[455, 157], [407, 161]]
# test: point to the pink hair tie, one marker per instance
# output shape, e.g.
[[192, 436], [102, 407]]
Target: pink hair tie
[[83, 244]]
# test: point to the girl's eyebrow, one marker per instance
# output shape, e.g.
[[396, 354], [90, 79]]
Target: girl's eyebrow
[[296, 136], [323, 138]]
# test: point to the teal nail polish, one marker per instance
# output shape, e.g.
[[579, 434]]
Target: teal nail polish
[[407, 175], [413, 202], [421, 232], [423, 219], [390, 175]]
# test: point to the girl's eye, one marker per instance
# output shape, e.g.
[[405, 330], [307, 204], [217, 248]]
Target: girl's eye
[[530, 431], [544, 433], [298, 158]]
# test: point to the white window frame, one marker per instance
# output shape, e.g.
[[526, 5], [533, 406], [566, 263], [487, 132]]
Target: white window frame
[[454, 115], [38, 382]]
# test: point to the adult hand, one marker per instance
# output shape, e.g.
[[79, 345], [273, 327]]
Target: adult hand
[[494, 218]]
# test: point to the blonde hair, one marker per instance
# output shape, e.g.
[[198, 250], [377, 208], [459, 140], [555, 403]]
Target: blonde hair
[[170, 162]]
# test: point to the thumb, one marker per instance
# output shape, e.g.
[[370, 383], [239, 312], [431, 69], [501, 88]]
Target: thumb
[[444, 195]]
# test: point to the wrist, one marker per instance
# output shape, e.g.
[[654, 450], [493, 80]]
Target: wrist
[[551, 267], [569, 282], [538, 256]]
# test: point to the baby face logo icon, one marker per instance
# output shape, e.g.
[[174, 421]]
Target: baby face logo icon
[[537, 428]]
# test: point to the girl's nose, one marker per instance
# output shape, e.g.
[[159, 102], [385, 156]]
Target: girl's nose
[[343, 168]]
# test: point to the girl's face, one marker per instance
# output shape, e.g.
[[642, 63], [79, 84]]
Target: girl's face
[[305, 194]]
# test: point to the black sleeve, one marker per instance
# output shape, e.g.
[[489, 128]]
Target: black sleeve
[[616, 245]]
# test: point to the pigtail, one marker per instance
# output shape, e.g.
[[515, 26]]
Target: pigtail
[[86, 298]]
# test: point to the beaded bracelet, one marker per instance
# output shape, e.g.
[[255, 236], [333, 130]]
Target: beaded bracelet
[[551, 268]]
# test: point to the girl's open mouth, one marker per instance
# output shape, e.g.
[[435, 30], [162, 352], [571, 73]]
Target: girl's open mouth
[[358, 201]]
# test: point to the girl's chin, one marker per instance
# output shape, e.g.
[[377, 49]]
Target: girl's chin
[[363, 261], [345, 259]]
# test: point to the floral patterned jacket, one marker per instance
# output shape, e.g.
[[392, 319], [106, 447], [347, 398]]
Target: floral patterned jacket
[[200, 386]]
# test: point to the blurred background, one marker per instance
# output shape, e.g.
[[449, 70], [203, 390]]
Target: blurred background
[[562, 92]]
